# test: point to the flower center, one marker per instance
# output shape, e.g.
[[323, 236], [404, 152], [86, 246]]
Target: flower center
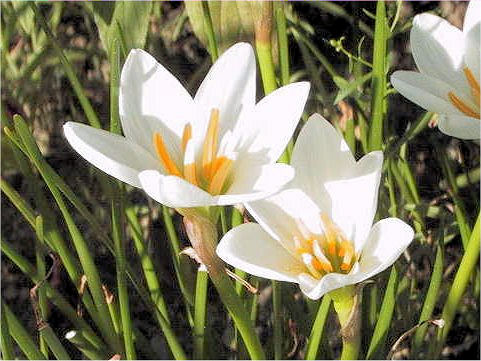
[[327, 252], [212, 174], [461, 105]]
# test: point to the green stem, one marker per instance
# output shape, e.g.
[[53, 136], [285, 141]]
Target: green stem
[[283, 43], [317, 330], [118, 237], [468, 264], [202, 233], [181, 269], [378, 83], [277, 310], [200, 307], [346, 303]]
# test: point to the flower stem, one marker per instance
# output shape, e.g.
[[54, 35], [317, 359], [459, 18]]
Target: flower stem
[[378, 82], [200, 305], [202, 233], [346, 303]]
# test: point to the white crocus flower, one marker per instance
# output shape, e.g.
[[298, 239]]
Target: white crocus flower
[[217, 148], [319, 232], [449, 76]]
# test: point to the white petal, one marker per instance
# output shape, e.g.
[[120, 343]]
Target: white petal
[[353, 201], [473, 15], [437, 48], [472, 52], [269, 127], [320, 155], [460, 126], [173, 191], [112, 153], [152, 100], [252, 250], [252, 181], [278, 214], [229, 86], [427, 92], [387, 240]]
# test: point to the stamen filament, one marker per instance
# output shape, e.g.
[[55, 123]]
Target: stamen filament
[[210, 144], [219, 178], [308, 260], [164, 156], [473, 83], [186, 135], [462, 106]]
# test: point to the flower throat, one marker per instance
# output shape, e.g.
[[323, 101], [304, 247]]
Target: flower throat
[[325, 253], [212, 174]]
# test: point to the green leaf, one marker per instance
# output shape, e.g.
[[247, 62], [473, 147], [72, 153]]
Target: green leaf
[[132, 17], [385, 316]]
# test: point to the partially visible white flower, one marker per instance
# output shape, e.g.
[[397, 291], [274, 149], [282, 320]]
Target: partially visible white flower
[[319, 232], [449, 76], [217, 148]]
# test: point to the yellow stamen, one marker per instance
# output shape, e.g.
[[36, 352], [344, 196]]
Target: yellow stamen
[[164, 156], [324, 263], [219, 178], [473, 83], [330, 232], [210, 144], [309, 260], [462, 106], [190, 174], [186, 135]]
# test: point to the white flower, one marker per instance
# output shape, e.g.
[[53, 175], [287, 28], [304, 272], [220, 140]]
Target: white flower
[[217, 148], [319, 232], [449, 77]]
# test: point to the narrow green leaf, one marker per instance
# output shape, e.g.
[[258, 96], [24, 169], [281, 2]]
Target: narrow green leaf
[[468, 264], [383, 324], [69, 70], [318, 329], [132, 17], [20, 335], [80, 245], [6, 341], [54, 343], [431, 296]]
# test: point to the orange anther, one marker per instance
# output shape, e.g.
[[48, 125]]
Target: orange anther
[[164, 156]]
